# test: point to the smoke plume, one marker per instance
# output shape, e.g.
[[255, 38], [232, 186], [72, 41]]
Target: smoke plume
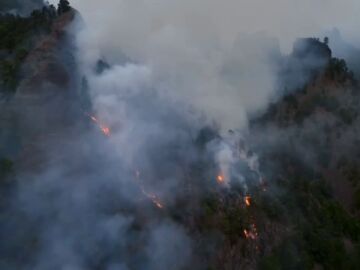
[[217, 57]]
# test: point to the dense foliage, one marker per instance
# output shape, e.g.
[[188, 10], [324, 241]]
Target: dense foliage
[[316, 157], [18, 35]]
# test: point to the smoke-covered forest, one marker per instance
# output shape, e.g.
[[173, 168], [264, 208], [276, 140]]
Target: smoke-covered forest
[[157, 135]]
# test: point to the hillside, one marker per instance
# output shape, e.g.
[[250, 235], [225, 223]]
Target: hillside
[[159, 191], [309, 148]]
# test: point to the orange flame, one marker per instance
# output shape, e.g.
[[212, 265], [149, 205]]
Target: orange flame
[[220, 179], [156, 201], [153, 198], [250, 234], [247, 201], [106, 130]]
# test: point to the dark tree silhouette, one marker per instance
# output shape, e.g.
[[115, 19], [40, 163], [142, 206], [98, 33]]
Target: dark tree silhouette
[[63, 6], [326, 40]]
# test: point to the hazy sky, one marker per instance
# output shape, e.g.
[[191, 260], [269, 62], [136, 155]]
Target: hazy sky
[[205, 51], [286, 19]]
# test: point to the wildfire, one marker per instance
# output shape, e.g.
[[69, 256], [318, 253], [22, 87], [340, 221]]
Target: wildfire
[[251, 233], [247, 201], [220, 179], [246, 233], [107, 132], [104, 129], [155, 199]]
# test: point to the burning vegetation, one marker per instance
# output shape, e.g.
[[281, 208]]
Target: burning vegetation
[[152, 197], [220, 179], [104, 129]]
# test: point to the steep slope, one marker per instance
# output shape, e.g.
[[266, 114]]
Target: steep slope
[[323, 115], [51, 63], [45, 99], [308, 144]]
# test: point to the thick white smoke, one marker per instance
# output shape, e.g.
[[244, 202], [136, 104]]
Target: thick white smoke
[[125, 21], [202, 57], [207, 53]]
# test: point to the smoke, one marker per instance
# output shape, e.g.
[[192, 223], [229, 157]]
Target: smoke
[[201, 20], [345, 50], [205, 80], [176, 70], [166, 241], [174, 67], [216, 56], [82, 208]]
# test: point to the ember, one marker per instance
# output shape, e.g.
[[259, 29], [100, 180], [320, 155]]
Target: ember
[[251, 233], [155, 199], [104, 129], [220, 179], [247, 201]]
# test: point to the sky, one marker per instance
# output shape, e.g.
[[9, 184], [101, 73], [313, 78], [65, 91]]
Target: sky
[[285, 19]]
